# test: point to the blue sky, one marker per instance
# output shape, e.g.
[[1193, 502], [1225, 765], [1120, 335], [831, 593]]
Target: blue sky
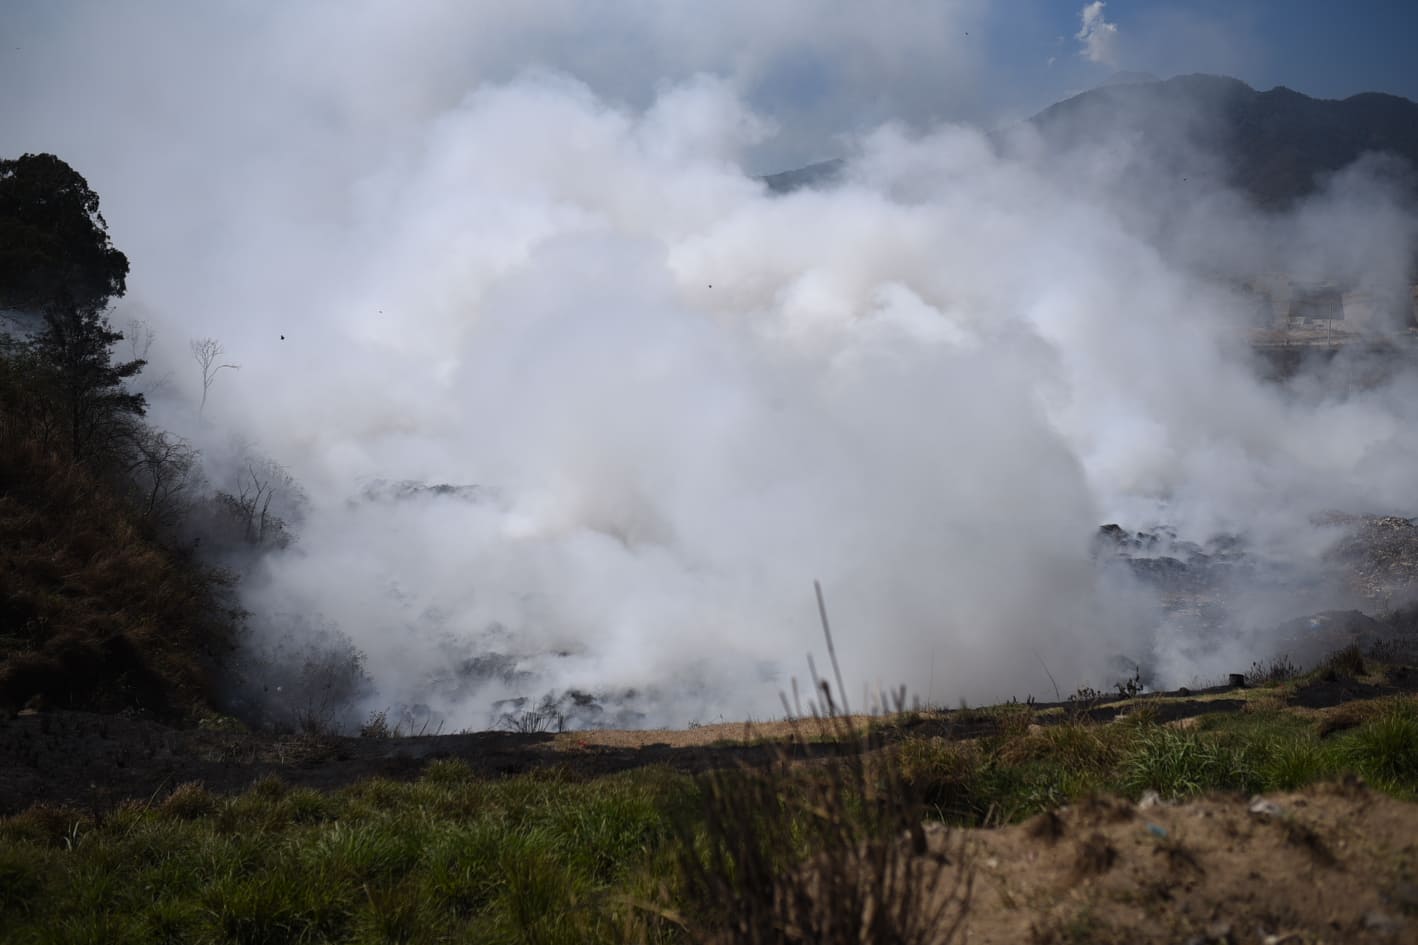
[[815, 68]]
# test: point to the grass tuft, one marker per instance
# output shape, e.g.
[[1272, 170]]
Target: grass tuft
[[1178, 763], [1385, 749], [190, 801], [448, 771], [1295, 761]]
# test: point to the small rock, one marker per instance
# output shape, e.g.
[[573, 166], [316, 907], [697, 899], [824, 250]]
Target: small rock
[[1261, 807], [1149, 800]]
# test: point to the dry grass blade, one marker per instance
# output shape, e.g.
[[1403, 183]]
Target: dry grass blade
[[831, 852]]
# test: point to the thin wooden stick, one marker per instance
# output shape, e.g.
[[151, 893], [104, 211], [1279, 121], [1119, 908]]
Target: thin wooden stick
[[1058, 696], [831, 650]]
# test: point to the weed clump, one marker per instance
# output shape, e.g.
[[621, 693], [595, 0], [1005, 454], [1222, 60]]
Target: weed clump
[[1277, 669], [190, 801], [1385, 749], [1297, 761], [830, 853], [1182, 763], [21, 882], [1345, 663]]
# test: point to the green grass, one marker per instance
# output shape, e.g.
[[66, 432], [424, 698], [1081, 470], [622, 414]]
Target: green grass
[[550, 857], [449, 858], [1385, 749], [1010, 777]]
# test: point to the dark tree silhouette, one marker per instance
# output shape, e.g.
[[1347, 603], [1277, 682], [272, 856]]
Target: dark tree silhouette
[[56, 259], [84, 384], [54, 245]]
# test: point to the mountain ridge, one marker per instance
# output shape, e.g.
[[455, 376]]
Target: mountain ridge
[[1277, 146]]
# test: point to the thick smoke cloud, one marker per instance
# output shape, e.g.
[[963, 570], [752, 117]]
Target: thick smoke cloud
[[661, 401]]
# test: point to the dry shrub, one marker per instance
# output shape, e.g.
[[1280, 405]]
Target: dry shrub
[[1077, 746], [46, 824], [96, 615], [1277, 669], [824, 852], [1345, 663], [190, 801]]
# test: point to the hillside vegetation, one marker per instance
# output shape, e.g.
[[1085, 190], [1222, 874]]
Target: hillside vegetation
[[95, 613], [98, 607], [1094, 822]]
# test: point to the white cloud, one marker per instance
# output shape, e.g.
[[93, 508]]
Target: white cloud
[[1098, 37]]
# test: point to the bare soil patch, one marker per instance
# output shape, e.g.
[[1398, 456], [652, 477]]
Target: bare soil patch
[[1330, 864]]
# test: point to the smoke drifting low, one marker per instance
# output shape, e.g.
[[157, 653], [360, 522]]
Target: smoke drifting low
[[580, 406]]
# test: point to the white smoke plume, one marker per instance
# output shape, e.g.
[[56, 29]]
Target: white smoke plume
[[1096, 35], [580, 406]]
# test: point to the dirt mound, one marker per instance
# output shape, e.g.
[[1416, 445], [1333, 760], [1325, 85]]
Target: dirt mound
[[1331, 864]]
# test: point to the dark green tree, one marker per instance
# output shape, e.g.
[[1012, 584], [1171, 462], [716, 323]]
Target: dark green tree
[[54, 244], [56, 260], [85, 385]]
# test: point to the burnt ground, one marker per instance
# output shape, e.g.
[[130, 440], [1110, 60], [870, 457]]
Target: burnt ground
[[96, 761]]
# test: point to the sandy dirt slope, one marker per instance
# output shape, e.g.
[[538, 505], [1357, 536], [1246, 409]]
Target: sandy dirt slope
[[1336, 864]]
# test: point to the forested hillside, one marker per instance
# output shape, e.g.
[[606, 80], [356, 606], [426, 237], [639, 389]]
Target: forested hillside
[[100, 605]]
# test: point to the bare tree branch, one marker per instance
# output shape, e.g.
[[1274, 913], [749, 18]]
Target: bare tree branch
[[139, 335], [206, 351]]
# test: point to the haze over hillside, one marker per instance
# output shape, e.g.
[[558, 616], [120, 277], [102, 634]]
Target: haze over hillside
[[1276, 146]]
